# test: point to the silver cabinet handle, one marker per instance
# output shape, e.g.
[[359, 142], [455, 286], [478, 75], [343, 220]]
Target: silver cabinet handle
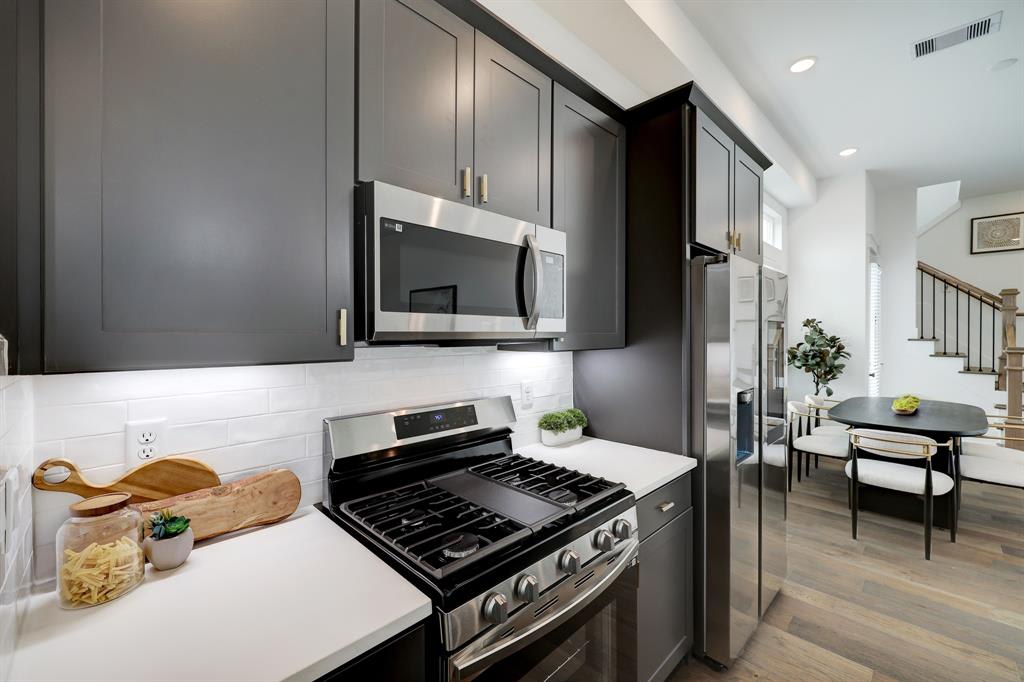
[[665, 506], [483, 189], [538, 280], [467, 182]]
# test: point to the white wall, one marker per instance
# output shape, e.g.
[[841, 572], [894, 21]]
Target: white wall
[[947, 245], [242, 420], [828, 275], [15, 472]]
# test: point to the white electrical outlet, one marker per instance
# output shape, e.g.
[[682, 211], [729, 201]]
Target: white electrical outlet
[[527, 395], [144, 440]]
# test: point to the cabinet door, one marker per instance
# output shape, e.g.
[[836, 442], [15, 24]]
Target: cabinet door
[[512, 142], [415, 97], [713, 185], [665, 600], [749, 197], [199, 185], [589, 204]]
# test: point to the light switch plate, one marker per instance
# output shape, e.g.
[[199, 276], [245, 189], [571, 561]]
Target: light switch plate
[[527, 395]]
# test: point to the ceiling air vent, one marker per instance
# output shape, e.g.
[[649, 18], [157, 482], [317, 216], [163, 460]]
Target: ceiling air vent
[[975, 29]]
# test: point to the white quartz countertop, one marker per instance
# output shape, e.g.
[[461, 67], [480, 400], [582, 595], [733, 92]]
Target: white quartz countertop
[[641, 469], [290, 601]]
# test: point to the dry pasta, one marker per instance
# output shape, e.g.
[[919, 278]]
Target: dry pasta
[[101, 572]]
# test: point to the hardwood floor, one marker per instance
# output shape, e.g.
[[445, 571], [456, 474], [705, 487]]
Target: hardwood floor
[[874, 610]]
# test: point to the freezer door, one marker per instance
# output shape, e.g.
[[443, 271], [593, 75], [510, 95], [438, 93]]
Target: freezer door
[[745, 475], [774, 463]]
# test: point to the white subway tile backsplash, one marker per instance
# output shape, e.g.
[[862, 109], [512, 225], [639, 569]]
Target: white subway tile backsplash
[[186, 409], [244, 420], [72, 421]]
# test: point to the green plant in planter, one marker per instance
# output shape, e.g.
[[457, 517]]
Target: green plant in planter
[[560, 422], [164, 525], [820, 355]]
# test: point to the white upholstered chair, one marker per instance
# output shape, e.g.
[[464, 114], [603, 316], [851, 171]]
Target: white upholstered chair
[[801, 441], [820, 406], [920, 481], [994, 464]]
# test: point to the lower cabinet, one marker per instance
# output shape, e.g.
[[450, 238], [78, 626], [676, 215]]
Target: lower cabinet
[[404, 657], [665, 598]]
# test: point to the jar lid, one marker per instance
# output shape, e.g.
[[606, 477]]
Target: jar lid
[[100, 504]]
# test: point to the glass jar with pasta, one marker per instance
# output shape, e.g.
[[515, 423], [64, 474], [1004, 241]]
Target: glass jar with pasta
[[99, 551]]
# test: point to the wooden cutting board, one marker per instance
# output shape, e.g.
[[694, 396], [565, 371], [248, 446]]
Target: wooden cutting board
[[156, 480], [258, 500]]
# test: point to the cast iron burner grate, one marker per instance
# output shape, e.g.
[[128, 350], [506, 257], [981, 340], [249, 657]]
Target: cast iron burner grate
[[558, 484], [433, 528]]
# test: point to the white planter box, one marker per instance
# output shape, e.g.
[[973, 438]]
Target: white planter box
[[550, 438]]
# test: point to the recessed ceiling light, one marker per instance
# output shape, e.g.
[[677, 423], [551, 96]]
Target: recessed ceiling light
[[1003, 64], [802, 64], [849, 151]]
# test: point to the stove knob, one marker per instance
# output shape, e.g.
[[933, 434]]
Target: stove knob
[[496, 608], [527, 588], [604, 541], [569, 562], [622, 529]]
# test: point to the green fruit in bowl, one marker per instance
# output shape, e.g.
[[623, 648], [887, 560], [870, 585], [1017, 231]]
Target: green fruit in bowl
[[906, 403]]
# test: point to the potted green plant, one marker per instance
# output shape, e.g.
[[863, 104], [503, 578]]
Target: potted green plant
[[170, 540], [820, 355], [559, 428]]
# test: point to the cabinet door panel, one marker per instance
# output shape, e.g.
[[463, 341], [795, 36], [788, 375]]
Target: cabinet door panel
[[713, 185], [415, 96], [200, 182], [665, 599], [749, 199], [512, 142], [588, 204]]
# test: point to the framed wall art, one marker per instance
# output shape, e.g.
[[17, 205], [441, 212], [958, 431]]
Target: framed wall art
[[994, 233]]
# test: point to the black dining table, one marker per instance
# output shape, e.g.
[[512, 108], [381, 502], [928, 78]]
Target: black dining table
[[937, 419]]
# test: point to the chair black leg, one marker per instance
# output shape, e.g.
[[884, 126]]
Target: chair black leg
[[789, 469], [928, 527], [815, 461], [955, 513], [807, 466], [799, 464], [853, 507]]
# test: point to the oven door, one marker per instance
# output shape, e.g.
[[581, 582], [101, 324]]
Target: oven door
[[439, 269], [584, 628]]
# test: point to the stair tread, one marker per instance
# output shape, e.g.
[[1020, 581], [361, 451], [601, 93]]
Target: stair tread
[[948, 355], [914, 338], [991, 372]]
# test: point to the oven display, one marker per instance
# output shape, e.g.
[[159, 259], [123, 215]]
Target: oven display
[[433, 421]]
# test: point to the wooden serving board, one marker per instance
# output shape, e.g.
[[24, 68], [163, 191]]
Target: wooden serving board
[[155, 480], [258, 500]]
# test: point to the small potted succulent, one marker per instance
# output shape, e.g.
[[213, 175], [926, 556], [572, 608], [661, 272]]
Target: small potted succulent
[[170, 540], [559, 428]]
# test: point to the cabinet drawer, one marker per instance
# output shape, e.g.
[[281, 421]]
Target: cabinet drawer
[[656, 509]]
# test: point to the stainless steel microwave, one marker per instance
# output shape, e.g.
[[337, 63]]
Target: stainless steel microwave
[[429, 269]]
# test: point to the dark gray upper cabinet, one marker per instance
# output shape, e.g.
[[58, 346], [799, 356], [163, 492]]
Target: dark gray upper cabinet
[[749, 197], [198, 196], [512, 140], [713, 185], [589, 205], [416, 97]]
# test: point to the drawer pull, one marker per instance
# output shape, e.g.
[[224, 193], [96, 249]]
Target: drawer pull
[[665, 506]]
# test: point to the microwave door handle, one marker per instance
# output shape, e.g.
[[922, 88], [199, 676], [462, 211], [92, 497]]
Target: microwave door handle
[[538, 281]]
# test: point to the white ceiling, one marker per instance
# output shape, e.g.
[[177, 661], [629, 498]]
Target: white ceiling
[[940, 118]]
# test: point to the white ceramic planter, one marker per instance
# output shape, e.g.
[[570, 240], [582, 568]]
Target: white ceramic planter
[[169, 553], [551, 438]]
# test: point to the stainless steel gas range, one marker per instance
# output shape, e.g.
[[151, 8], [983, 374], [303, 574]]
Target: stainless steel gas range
[[532, 567]]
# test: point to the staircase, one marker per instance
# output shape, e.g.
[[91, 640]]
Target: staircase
[[980, 328]]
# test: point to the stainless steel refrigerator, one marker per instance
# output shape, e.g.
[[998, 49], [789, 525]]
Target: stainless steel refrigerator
[[740, 489]]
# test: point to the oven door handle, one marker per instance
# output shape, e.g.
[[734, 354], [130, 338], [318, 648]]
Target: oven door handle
[[470, 663], [538, 281]]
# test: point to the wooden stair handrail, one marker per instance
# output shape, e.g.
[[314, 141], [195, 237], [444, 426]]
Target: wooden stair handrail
[[992, 299]]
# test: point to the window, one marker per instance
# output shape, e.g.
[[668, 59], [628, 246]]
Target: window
[[771, 227], [874, 327]]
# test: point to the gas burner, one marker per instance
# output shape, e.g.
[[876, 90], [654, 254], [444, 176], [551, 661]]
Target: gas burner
[[413, 517], [462, 545], [563, 496]]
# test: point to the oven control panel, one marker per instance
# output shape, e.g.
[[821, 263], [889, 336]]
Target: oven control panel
[[434, 421]]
